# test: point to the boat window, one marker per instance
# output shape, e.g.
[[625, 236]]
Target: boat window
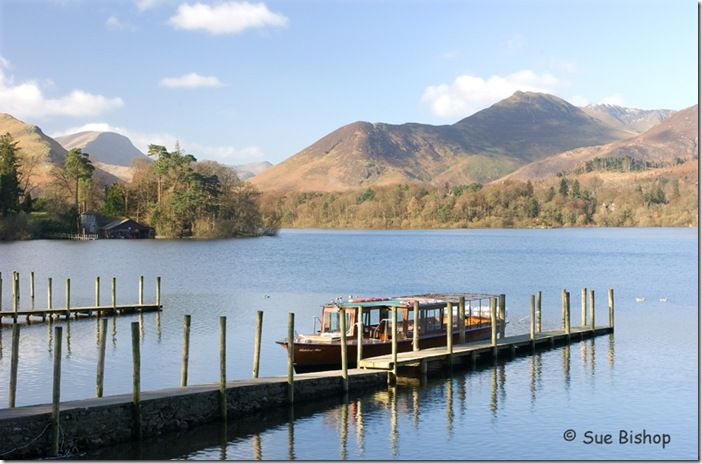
[[433, 319], [331, 321]]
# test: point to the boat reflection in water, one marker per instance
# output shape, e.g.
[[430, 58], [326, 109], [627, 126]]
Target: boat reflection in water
[[322, 349]]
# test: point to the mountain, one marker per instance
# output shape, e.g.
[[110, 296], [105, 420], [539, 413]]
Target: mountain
[[631, 119], [247, 171], [106, 147], [487, 145], [31, 139], [671, 140]]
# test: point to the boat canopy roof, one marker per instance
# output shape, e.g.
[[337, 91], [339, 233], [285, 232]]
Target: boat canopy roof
[[427, 299]]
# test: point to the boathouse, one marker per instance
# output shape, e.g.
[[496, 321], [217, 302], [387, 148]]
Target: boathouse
[[126, 228]]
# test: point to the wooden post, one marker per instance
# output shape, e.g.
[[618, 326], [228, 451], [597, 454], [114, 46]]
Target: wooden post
[[68, 299], [15, 295], [393, 322], [101, 358], [291, 358], [14, 358], [583, 304], [567, 314], [141, 291], [415, 331], [114, 295], [186, 351], [49, 294], [136, 379], [610, 300], [257, 343], [503, 315], [158, 291], [97, 293], [462, 320], [563, 310], [538, 311], [532, 318], [449, 331], [223, 366], [344, 360], [359, 338], [0, 291], [56, 393], [592, 309], [31, 287], [493, 325]]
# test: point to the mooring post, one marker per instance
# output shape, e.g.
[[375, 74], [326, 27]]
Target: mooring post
[[538, 311], [49, 294], [114, 295], [68, 299], [415, 329], [610, 300], [493, 325], [56, 393], [31, 287], [257, 343], [101, 358], [532, 321], [158, 292], [291, 358], [136, 379], [359, 338], [97, 293], [592, 309], [393, 322], [186, 351], [567, 314], [462, 320], [449, 332], [0, 293], [223, 366], [344, 360], [503, 315], [583, 304], [563, 309], [15, 295], [14, 358], [141, 291]]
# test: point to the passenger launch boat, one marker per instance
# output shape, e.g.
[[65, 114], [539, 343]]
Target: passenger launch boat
[[322, 349]]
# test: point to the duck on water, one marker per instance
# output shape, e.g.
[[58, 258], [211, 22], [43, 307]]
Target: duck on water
[[321, 350]]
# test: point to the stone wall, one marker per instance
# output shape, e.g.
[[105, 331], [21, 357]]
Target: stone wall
[[25, 432]]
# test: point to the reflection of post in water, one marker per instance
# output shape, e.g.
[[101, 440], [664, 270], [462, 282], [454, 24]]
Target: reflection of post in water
[[610, 351], [462, 393], [141, 326], [158, 325], [501, 375], [344, 433], [532, 378], [291, 433], [256, 446], [50, 337], [566, 365], [359, 426], [583, 353], [592, 356], [415, 407], [223, 441], [68, 338], [393, 419], [449, 406], [493, 390]]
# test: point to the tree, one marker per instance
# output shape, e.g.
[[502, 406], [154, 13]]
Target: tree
[[9, 176], [563, 188]]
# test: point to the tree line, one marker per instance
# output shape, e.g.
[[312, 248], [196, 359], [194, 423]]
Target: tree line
[[173, 193]]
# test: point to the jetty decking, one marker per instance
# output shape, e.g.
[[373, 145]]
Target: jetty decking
[[481, 347], [79, 311]]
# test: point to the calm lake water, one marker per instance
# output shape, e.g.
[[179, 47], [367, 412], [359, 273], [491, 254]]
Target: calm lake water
[[643, 377]]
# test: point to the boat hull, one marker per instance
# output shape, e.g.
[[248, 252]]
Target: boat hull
[[314, 357]]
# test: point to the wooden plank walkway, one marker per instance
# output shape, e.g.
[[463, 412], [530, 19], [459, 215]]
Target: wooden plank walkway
[[515, 342], [80, 311]]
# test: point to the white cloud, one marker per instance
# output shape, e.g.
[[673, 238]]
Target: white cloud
[[226, 18], [190, 81], [225, 154], [579, 100], [614, 99], [468, 94], [113, 23], [4, 63], [27, 100]]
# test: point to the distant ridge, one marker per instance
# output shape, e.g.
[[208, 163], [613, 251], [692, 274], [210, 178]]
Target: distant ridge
[[632, 119], [107, 147], [487, 145]]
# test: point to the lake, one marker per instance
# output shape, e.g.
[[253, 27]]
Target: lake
[[644, 377]]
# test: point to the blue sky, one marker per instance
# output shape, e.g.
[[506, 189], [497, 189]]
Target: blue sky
[[247, 81]]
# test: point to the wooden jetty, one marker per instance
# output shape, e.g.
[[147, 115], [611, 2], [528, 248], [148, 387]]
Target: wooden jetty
[[512, 344], [68, 311]]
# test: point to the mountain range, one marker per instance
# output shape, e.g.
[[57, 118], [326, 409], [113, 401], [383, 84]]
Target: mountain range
[[524, 128], [528, 135]]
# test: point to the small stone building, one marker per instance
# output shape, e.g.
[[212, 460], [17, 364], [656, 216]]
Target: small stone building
[[126, 228]]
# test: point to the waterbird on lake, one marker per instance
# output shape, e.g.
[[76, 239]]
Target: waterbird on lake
[[663, 300], [640, 299]]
